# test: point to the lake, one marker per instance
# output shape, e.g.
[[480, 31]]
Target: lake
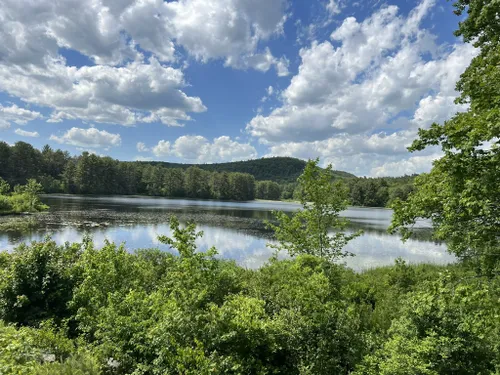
[[236, 229]]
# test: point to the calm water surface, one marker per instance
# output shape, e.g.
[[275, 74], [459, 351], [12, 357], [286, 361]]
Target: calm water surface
[[235, 229]]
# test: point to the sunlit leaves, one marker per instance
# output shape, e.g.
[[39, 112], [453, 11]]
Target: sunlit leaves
[[308, 231]]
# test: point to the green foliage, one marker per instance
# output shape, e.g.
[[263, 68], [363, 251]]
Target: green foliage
[[267, 190], [308, 230], [461, 193], [77, 364], [149, 312], [379, 192], [449, 326], [4, 187], [25, 198], [28, 351], [36, 283]]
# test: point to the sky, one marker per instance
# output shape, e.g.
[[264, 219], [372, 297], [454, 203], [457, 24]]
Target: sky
[[205, 81]]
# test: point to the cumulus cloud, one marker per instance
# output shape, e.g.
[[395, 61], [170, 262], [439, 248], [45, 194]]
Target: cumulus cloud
[[414, 164], [17, 115], [24, 133], [196, 148], [359, 154], [121, 86], [136, 92], [162, 148], [383, 75], [206, 29], [90, 137], [228, 29], [141, 147]]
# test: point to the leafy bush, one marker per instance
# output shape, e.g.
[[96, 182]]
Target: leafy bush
[[447, 327], [77, 364], [26, 351], [5, 204], [25, 198], [36, 283]]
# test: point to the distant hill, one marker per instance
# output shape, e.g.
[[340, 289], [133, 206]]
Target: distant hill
[[279, 169]]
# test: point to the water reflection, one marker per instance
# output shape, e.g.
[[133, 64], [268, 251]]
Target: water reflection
[[235, 229]]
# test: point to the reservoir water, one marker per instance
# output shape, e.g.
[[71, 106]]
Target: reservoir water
[[236, 229]]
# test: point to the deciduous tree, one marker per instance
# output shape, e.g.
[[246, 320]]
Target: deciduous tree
[[308, 231]]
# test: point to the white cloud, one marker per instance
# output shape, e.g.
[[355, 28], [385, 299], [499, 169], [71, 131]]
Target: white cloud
[[228, 29], [359, 154], [124, 95], [383, 75], [206, 29], [333, 7], [282, 66], [17, 115], [141, 147], [162, 148], [269, 93], [358, 87], [190, 147], [123, 88], [436, 108], [196, 148], [414, 164], [90, 137], [24, 133]]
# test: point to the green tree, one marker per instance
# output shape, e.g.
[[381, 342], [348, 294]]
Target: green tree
[[4, 187], [174, 183], [68, 177], [37, 283], [308, 230], [267, 190], [84, 177], [196, 183], [54, 161], [220, 186], [242, 186], [4, 160], [461, 194], [24, 163]]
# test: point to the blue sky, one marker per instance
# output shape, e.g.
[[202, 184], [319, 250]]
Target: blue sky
[[203, 81]]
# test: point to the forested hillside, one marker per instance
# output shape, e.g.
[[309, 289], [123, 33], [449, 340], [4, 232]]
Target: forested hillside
[[278, 169]]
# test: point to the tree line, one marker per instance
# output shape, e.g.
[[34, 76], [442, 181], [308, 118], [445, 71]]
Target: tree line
[[59, 172]]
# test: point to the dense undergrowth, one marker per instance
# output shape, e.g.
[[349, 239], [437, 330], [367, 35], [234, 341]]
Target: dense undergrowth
[[77, 309]]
